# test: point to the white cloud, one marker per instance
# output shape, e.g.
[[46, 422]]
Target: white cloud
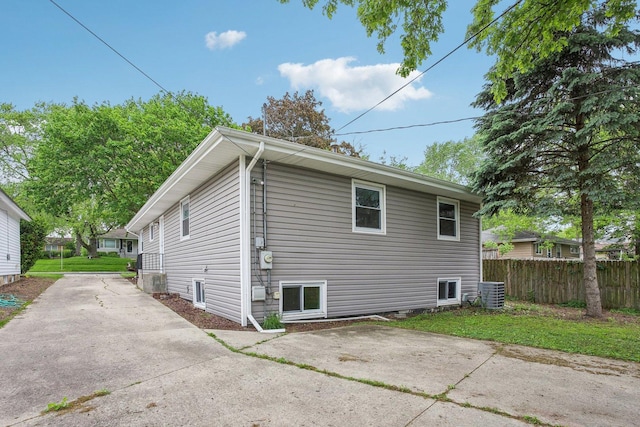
[[223, 40], [354, 88]]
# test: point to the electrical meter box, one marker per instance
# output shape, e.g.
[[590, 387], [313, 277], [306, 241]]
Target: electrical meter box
[[266, 260]]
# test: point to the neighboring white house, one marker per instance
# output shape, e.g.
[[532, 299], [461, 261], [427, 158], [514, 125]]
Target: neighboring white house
[[10, 216], [120, 241]]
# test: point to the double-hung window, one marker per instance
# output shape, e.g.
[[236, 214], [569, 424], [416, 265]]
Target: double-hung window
[[448, 219], [368, 203], [448, 291], [303, 299], [185, 215]]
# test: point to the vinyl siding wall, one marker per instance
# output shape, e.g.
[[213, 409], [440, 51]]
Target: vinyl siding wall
[[214, 243], [310, 233], [9, 245]]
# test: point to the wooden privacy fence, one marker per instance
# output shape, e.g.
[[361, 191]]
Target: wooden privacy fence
[[560, 281]]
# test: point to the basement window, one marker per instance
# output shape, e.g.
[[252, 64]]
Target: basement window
[[303, 300], [199, 298], [449, 291]]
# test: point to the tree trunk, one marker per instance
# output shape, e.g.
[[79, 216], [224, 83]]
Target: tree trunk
[[93, 246], [590, 278], [78, 244]]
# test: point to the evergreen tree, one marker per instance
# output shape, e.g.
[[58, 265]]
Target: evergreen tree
[[566, 138]]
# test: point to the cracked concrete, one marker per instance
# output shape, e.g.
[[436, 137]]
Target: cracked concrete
[[95, 332]]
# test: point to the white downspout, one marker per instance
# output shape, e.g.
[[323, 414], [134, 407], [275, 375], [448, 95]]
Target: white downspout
[[245, 241]]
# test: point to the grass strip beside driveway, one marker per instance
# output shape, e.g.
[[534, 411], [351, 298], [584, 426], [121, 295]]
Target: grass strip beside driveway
[[533, 327]]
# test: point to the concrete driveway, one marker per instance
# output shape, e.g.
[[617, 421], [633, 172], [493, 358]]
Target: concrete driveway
[[98, 332]]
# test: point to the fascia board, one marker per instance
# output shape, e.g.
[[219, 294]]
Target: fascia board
[[12, 207]]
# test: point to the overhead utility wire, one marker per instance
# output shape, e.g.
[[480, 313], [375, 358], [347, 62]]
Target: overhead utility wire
[[114, 50], [110, 47], [444, 122], [436, 63]]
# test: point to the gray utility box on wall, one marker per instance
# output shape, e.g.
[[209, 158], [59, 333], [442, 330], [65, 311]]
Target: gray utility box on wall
[[491, 294]]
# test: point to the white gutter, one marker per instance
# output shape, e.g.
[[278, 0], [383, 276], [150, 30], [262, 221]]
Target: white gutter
[[264, 331], [245, 239]]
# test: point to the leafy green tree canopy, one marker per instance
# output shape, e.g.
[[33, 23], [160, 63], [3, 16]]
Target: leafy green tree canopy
[[115, 157], [526, 32], [454, 161]]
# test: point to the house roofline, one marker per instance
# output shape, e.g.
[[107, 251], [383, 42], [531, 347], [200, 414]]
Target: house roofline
[[228, 143], [13, 207]]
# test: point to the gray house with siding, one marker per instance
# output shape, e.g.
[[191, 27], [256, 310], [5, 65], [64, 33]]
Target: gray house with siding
[[250, 225]]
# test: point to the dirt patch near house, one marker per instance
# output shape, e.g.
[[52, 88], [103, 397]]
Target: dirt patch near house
[[24, 290], [204, 320]]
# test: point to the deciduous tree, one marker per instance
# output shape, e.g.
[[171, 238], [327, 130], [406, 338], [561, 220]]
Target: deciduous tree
[[299, 118], [454, 161], [527, 31], [96, 165]]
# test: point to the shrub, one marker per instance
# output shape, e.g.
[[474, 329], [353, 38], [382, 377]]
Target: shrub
[[272, 321], [112, 254], [32, 235], [56, 254]]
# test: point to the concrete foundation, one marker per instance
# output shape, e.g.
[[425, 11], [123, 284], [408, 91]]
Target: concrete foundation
[[153, 282], [10, 278]]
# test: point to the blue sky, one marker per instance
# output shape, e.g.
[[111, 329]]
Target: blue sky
[[237, 53]]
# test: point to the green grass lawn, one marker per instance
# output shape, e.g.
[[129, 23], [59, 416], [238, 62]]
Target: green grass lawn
[[80, 264], [531, 325]]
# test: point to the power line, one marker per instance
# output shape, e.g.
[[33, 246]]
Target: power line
[[147, 76], [435, 64], [114, 50], [444, 122], [408, 126]]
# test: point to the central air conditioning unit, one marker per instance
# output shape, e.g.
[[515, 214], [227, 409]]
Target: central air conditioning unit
[[491, 294]]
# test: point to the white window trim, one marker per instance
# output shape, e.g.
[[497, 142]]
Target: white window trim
[[202, 305], [309, 314], [152, 231], [537, 248], [574, 249], [456, 204], [103, 245], [449, 301], [383, 206], [183, 236]]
